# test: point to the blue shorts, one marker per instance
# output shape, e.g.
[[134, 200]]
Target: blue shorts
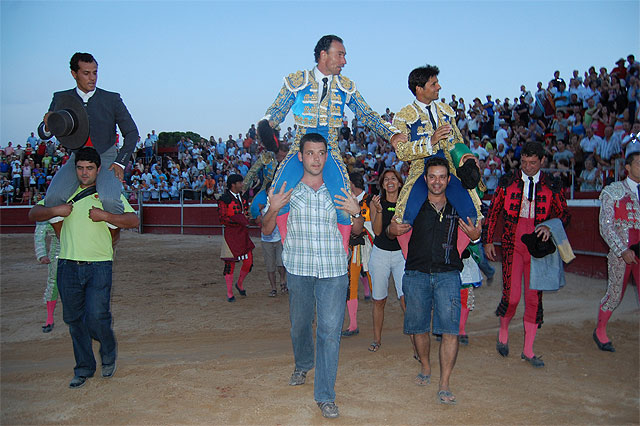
[[422, 292]]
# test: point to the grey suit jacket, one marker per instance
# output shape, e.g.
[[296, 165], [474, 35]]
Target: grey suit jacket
[[105, 110]]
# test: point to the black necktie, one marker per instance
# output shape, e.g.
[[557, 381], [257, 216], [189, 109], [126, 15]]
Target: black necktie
[[433, 122], [324, 88], [531, 185]]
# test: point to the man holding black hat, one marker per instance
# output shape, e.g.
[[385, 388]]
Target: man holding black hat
[[88, 116], [524, 199]]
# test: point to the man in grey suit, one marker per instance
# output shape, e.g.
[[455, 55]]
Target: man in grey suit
[[105, 110]]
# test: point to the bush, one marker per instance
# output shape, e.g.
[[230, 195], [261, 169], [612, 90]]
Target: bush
[[170, 139]]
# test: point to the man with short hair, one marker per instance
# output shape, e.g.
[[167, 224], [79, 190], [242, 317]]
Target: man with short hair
[[318, 98], [316, 262], [237, 245], [524, 199], [85, 266], [608, 149], [106, 111], [431, 281], [620, 229], [502, 135], [430, 127], [148, 148], [590, 142], [563, 153]]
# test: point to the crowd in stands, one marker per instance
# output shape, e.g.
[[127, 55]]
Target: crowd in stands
[[584, 126]]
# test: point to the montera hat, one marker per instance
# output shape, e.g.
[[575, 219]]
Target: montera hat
[[70, 123], [538, 248]]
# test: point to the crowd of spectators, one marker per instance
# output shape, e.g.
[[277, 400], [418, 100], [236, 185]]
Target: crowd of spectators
[[584, 126]]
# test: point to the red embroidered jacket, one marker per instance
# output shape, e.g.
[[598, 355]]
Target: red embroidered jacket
[[507, 200], [232, 216]]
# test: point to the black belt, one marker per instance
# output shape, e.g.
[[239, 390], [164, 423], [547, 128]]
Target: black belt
[[78, 262], [84, 262]]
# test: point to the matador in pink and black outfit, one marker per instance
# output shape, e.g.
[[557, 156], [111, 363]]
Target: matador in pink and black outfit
[[524, 202]]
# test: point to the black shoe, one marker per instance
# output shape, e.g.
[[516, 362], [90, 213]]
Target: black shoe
[[464, 340], [349, 333], [47, 328], [502, 348], [607, 347], [242, 292], [77, 382], [108, 370], [231, 299], [534, 360]]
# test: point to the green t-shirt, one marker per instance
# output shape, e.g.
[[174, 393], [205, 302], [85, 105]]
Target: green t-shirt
[[83, 239]]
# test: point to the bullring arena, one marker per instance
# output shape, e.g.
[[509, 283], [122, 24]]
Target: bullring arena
[[186, 356]]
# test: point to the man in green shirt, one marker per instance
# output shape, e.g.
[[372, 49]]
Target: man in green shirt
[[84, 267]]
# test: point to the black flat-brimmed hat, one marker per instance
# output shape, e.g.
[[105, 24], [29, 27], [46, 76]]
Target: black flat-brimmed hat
[[70, 123], [538, 248]]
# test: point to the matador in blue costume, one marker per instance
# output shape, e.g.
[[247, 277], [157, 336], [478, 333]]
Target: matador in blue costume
[[317, 98]]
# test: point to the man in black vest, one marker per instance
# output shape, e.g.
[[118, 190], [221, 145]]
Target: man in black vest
[[105, 111], [431, 281]]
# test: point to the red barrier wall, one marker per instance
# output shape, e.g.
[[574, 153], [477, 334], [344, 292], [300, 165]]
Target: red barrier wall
[[203, 219]]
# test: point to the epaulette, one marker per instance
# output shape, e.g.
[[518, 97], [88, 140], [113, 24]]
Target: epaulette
[[615, 190], [553, 182], [346, 85], [297, 80], [446, 108], [408, 114], [507, 179], [226, 198]]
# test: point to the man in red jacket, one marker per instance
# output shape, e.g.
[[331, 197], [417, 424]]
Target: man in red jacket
[[525, 199], [236, 246]]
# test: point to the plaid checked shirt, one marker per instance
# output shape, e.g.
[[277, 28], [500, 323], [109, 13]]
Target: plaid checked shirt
[[313, 245]]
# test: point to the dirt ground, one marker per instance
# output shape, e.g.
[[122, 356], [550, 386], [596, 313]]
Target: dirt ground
[[186, 356]]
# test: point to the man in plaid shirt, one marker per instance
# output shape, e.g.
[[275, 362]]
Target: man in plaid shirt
[[316, 262]]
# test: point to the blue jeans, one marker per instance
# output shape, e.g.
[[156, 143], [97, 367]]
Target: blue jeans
[[440, 292], [85, 291], [327, 296]]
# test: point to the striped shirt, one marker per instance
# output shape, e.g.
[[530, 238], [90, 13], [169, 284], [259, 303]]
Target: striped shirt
[[608, 148], [313, 245]]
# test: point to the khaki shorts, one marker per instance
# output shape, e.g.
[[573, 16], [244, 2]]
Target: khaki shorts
[[272, 254]]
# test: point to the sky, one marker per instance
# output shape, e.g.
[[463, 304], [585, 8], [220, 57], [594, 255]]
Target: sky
[[214, 67]]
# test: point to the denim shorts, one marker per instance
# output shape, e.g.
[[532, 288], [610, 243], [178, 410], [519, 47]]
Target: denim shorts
[[422, 292]]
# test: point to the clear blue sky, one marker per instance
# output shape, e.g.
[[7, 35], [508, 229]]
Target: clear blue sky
[[214, 67]]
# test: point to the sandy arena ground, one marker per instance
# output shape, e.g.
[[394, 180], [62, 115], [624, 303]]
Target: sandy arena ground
[[186, 356]]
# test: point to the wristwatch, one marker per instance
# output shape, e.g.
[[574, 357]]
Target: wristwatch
[[355, 216]]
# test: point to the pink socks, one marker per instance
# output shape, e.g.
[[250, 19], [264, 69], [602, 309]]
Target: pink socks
[[352, 307], [464, 315], [503, 336], [229, 280], [365, 285], [241, 277], [530, 330], [601, 329], [51, 306]]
